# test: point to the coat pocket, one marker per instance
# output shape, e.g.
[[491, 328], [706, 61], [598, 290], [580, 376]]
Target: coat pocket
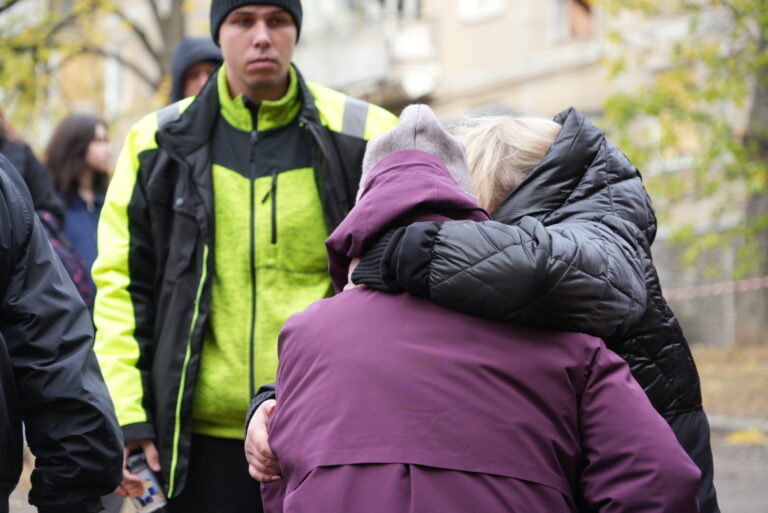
[[183, 238]]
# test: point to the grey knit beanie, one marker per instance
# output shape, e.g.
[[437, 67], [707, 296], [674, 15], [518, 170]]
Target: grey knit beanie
[[419, 129], [221, 8]]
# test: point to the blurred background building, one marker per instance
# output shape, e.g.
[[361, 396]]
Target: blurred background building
[[463, 57]]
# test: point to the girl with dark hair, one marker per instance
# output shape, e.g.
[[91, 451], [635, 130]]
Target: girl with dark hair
[[48, 206], [78, 156]]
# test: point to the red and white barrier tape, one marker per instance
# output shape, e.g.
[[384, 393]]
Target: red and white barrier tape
[[716, 289]]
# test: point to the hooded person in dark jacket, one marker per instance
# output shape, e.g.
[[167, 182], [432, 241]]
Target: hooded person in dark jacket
[[449, 412], [193, 61], [569, 250], [34, 173], [49, 379], [48, 207]]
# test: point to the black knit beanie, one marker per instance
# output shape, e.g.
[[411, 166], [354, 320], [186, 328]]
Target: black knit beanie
[[221, 8]]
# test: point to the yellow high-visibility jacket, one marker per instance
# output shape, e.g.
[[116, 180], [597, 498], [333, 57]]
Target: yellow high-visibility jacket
[[211, 235]]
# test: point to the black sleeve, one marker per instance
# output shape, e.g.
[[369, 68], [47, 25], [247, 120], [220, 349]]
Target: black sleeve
[[373, 269], [38, 179], [68, 414], [265, 392], [579, 276]]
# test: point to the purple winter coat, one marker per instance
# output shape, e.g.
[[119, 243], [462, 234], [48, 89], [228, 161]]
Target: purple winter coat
[[392, 403]]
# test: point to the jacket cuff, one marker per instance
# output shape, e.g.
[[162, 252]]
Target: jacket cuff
[[374, 268], [412, 258], [265, 392], [138, 431]]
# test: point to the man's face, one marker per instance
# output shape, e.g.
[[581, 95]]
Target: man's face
[[196, 76], [258, 42]]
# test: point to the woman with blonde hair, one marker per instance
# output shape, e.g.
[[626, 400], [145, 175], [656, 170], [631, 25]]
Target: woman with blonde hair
[[501, 151]]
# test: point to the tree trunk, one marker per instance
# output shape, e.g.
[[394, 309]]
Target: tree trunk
[[172, 28], [752, 306]]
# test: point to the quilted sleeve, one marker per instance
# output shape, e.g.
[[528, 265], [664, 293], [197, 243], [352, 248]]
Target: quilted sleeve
[[574, 276]]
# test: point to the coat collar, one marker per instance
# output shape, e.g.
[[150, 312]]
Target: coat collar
[[582, 176], [270, 114], [192, 128]]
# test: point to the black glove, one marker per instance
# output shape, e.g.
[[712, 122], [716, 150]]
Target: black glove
[[374, 269]]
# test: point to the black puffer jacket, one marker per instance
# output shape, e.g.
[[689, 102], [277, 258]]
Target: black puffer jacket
[[570, 251], [49, 378], [577, 233]]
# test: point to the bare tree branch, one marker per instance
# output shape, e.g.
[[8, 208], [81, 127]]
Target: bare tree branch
[[7, 4], [152, 83], [140, 34], [736, 11], [155, 12], [171, 27], [60, 25]]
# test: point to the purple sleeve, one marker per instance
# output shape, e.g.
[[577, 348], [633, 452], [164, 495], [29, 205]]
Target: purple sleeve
[[633, 462], [272, 496]]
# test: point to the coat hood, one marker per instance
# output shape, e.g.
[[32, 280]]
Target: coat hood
[[403, 187], [583, 176], [190, 51], [36, 176]]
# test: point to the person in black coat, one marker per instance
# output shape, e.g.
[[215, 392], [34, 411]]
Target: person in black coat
[[50, 381], [48, 206], [569, 250], [36, 176]]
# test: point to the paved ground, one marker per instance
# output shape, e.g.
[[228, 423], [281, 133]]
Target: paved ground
[[741, 476]]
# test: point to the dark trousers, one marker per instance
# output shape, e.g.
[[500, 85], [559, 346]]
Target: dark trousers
[[692, 431], [218, 480]]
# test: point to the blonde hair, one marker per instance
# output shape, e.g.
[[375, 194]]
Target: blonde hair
[[502, 150]]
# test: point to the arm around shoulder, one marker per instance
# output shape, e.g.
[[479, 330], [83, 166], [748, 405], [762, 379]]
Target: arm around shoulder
[[572, 276]]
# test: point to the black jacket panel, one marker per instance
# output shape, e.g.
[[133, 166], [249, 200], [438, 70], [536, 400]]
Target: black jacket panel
[[50, 378]]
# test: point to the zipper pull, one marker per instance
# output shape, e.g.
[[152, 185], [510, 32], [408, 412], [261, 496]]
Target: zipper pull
[[272, 189], [273, 192]]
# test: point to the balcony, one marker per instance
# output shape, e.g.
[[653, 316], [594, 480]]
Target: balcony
[[378, 49]]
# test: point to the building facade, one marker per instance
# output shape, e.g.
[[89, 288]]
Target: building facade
[[521, 57]]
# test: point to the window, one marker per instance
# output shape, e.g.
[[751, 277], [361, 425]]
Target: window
[[572, 20], [579, 18], [475, 11], [403, 8]]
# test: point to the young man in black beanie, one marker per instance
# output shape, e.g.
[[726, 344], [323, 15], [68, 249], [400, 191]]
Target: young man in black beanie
[[212, 234]]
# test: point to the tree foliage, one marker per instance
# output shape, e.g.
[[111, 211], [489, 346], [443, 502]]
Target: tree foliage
[[707, 105], [40, 38]]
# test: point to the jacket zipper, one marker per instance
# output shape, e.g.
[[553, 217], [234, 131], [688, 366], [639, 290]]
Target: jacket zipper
[[273, 192], [254, 140]]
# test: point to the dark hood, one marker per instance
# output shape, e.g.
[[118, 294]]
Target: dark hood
[[583, 176], [189, 51], [403, 187], [36, 176]]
